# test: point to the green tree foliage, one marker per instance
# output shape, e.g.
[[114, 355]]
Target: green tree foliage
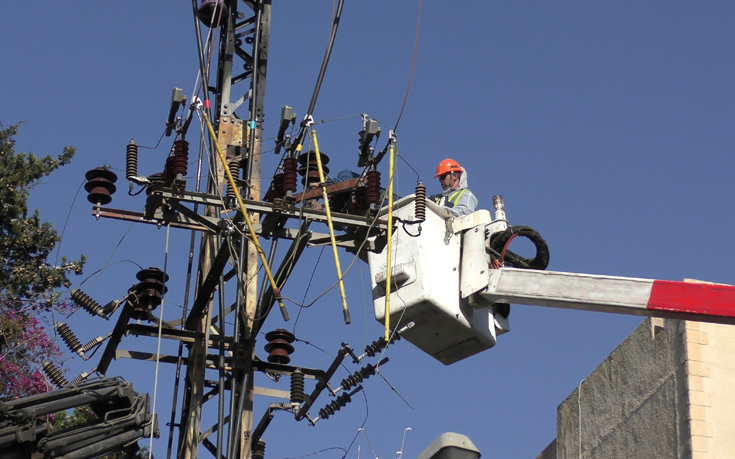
[[28, 282], [26, 277]]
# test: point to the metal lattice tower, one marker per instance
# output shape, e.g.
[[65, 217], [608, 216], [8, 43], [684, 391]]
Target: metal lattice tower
[[243, 41]]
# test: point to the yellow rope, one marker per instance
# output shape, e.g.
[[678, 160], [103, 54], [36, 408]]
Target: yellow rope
[[253, 236], [345, 311]]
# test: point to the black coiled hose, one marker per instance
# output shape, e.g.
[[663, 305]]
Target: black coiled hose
[[499, 240]]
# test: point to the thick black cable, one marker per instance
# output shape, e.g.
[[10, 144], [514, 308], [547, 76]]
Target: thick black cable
[[327, 54], [322, 71], [540, 261], [200, 52]]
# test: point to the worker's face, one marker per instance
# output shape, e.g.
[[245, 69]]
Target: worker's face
[[448, 181]]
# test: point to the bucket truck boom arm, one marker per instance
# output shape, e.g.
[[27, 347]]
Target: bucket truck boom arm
[[450, 291]]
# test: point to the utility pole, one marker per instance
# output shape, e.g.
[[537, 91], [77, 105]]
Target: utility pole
[[240, 139], [218, 331]]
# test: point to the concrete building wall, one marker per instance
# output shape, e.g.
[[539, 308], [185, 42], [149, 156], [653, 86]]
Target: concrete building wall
[[628, 406], [549, 452], [665, 392]]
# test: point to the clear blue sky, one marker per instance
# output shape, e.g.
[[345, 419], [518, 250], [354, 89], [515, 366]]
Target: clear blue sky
[[607, 126]]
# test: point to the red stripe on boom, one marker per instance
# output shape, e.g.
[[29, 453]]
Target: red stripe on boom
[[706, 299]]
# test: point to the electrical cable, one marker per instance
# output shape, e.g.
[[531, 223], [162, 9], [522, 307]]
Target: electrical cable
[[308, 286], [63, 230], [187, 284], [163, 134], [327, 53], [335, 24], [160, 329], [349, 267], [413, 64], [500, 240]]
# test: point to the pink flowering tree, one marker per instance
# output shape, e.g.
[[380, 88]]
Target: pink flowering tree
[[24, 346], [29, 285]]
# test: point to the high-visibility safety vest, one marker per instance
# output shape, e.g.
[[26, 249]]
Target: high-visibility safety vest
[[452, 199]]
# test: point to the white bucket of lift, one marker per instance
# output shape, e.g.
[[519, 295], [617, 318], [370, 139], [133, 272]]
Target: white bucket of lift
[[425, 288]]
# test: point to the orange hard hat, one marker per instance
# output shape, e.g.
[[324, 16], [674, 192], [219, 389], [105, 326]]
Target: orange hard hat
[[446, 166]]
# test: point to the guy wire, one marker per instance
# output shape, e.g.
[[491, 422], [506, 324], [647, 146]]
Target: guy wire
[[63, 230]]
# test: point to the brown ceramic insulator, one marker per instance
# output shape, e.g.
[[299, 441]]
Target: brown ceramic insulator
[[373, 187], [279, 189], [100, 185], [311, 179], [149, 291], [309, 169], [289, 174], [212, 12], [310, 158], [181, 158], [168, 176], [358, 205], [279, 346]]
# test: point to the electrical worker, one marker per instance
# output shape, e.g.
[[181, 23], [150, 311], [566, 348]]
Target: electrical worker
[[455, 196]]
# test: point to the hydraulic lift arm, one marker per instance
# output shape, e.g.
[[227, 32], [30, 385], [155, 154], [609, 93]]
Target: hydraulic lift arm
[[450, 290], [704, 302]]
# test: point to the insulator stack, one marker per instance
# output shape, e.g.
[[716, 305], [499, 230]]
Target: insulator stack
[[234, 166], [358, 204], [258, 450], [148, 293], [357, 377], [131, 160], [167, 177], [54, 374], [372, 197], [79, 379], [420, 203], [290, 166], [212, 12], [91, 344], [85, 302], [310, 180], [181, 159], [297, 386], [279, 346], [335, 405], [378, 345], [69, 338], [309, 169], [100, 186], [278, 187]]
